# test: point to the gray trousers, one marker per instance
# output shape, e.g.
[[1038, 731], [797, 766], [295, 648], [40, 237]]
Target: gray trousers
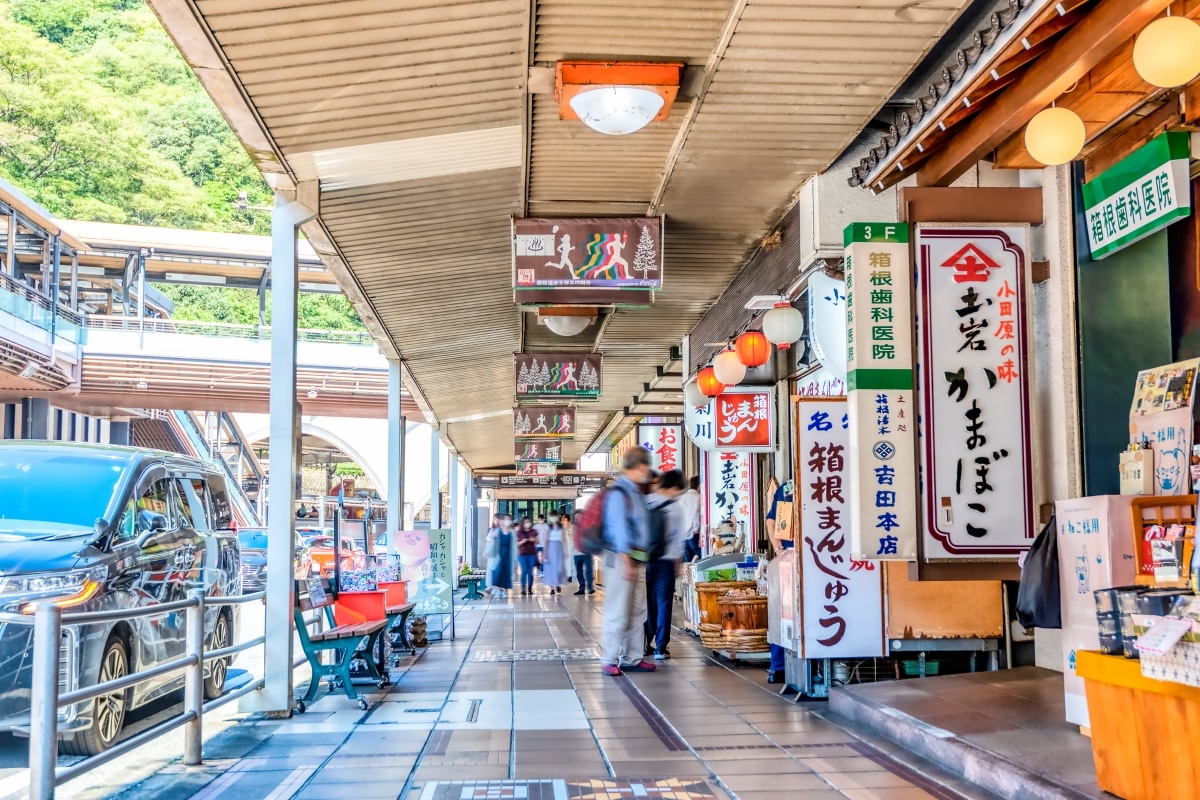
[[624, 639]]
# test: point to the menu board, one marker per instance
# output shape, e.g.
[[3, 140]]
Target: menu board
[[1165, 388]]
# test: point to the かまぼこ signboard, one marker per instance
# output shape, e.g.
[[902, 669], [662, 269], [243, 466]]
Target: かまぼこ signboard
[[576, 375], [974, 392], [595, 252]]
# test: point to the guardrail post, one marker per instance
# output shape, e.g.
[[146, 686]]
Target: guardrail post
[[43, 723], [193, 691]]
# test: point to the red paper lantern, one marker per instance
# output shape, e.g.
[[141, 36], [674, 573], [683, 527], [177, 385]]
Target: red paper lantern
[[708, 383], [753, 349]]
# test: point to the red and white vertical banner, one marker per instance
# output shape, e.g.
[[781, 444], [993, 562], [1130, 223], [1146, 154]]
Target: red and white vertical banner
[[663, 443], [841, 597], [730, 492], [882, 411], [977, 497]]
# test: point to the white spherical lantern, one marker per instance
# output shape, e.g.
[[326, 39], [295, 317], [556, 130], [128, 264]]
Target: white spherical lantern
[[693, 396], [728, 368], [1167, 52], [783, 325], [1055, 136]]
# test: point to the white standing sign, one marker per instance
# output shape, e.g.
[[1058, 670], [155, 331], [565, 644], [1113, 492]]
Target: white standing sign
[[882, 411], [730, 492], [976, 462], [842, 598]]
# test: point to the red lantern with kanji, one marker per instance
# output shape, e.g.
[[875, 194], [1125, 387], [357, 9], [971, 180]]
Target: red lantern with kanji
[[708, 383], [753, 349]]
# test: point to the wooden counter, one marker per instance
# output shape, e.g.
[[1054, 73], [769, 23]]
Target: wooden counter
[[1143, 731]]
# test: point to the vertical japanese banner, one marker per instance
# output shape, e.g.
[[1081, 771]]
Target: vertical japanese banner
[[730, 478], [882, 412], [841, 597], [663, 443], [976, 462]]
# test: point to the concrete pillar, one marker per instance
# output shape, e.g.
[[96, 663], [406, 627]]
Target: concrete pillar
[[397, 435], [288, 215], [435, 481], [118, 432], [455, 505], [75, 281]]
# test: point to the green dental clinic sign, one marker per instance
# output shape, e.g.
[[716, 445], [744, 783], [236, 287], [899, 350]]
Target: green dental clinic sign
[[1141, 194]]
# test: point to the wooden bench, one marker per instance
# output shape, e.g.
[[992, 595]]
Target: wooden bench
[[370, 606], [341, 641], [471, 581]]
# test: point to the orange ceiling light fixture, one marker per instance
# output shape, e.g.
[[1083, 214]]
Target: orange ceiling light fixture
[[616, 97]]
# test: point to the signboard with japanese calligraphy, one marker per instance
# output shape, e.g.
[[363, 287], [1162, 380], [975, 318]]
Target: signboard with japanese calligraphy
[[606, 253], [1139, 195], [698, 425], [729, 483], [558, 375], [546, 452], [544, 422], [977, 494], [663, 443], [827, 322], [841, 597], [744, 419], [538, 469], [881, 407], [435, 588]]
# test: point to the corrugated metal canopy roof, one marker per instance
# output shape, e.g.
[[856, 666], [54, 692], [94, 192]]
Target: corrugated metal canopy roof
[[407, 113]]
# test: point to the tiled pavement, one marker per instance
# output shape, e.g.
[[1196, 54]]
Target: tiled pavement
[[516, 709]]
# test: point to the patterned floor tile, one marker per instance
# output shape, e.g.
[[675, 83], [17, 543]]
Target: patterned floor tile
[[555, 654]]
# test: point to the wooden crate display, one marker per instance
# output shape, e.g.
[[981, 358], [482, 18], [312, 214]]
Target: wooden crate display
[[1164, 511]]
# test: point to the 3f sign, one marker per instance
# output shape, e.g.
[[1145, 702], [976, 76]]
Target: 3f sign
[[889, 232]]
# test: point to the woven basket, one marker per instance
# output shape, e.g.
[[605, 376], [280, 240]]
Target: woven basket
[[743, 614], [708, 593]]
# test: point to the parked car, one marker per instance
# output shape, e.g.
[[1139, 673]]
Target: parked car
[[320, 549], [253, 543], [102, 528]]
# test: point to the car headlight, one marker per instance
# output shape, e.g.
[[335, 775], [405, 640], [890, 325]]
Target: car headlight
[[64, 589]]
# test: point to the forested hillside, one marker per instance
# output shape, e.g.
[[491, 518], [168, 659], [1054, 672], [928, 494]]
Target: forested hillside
[[101, 119]]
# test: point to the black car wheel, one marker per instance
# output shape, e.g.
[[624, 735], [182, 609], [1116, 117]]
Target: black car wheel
[[108, 712], [214, 684]]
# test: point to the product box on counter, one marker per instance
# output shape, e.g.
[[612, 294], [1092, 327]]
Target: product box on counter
[[721, 574]]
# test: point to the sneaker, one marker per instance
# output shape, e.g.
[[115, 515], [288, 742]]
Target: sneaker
[[578, 593], [660, 656], [611, 669], [665, 653], [641, 666], [591, 591]]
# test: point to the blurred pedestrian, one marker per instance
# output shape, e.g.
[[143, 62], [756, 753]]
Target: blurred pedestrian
[[500, 564], [543, 530], [554, 556], [626, 537], [527, 554], [691, 501], [585, 567], [661, 572]]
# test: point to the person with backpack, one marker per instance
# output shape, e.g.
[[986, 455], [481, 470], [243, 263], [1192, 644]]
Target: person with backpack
[[585, 566], [626, 535], [668, 529]]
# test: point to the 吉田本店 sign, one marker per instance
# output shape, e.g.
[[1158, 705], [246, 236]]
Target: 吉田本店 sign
[[1142, 193], [544, 422], [663, 443], [558, 374], [977, 493], [842, 597], [882, 415], [546, 452], [606, 252]]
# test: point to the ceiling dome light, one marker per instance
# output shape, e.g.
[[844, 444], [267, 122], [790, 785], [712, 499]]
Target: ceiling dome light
[[706, 379], [728, 368], [313, 393], [693, 396], [1167, 52], [753, 348], [617, 110], [1055, 136], [783, 325], [567, 326]]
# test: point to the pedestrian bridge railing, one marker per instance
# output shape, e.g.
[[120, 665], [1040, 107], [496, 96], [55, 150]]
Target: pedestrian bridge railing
[[226, 330]]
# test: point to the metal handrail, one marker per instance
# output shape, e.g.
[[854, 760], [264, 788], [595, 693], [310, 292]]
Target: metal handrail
[[46, 698]]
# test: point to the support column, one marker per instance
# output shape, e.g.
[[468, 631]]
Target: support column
[[435, 481], [397, 430], [10, 257], [288, 215], [455, 506], [52, 285], [75, 281]]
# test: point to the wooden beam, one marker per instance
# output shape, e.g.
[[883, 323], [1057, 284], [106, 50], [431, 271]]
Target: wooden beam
[[1107, 27], [1139, 133]]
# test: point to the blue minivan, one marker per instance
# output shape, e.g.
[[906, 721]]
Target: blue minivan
[[95, 528]]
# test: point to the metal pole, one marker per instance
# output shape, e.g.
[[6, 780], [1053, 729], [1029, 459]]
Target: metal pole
[[435, 481], [337, 550], [43, 723], [52, 285], [193, 690], [75, 282], [396, 423], [11, 255], [141, 301]]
